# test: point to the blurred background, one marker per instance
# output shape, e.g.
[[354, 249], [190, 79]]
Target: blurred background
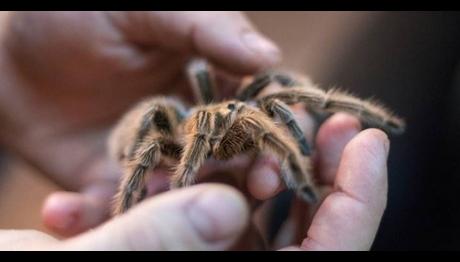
[[408, 60]]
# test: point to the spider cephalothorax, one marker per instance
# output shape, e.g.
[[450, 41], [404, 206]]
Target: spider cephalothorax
[[162, 129]]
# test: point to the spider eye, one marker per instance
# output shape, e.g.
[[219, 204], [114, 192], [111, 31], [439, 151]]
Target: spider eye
[[231, 106]]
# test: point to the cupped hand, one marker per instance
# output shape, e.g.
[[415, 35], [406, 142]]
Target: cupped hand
[[214, 216], [351, 169], [69, 75]]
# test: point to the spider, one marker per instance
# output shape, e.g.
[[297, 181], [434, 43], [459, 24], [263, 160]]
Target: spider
[[164, 129]]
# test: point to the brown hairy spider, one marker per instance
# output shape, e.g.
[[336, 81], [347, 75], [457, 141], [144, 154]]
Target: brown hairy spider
[[163, 129]]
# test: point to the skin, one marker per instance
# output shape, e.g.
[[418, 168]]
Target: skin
[[68, 76]]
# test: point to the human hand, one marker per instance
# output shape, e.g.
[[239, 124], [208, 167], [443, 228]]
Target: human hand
[[72, 119], [347, 219], [203, 217], [351, 168], [68, 75]]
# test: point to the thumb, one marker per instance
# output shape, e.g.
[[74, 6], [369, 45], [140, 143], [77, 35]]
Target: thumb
[[228, 39], [203, 217]]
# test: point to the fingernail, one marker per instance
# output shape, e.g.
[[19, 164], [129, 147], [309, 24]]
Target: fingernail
[[262, 46], [218, 215]]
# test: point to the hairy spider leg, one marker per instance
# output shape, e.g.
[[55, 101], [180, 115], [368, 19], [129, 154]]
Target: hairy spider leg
[[154, 139], [370, 113]]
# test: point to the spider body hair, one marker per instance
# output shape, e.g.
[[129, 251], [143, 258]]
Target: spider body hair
[[163, 129]]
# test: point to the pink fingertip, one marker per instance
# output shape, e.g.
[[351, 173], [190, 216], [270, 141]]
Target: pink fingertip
[[62, 213], [264, 183]]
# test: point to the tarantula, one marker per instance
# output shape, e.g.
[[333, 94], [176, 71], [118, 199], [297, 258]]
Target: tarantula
[[162, 128]]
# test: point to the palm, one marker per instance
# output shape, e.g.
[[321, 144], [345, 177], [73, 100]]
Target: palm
[[89, 63], [80, 71]]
